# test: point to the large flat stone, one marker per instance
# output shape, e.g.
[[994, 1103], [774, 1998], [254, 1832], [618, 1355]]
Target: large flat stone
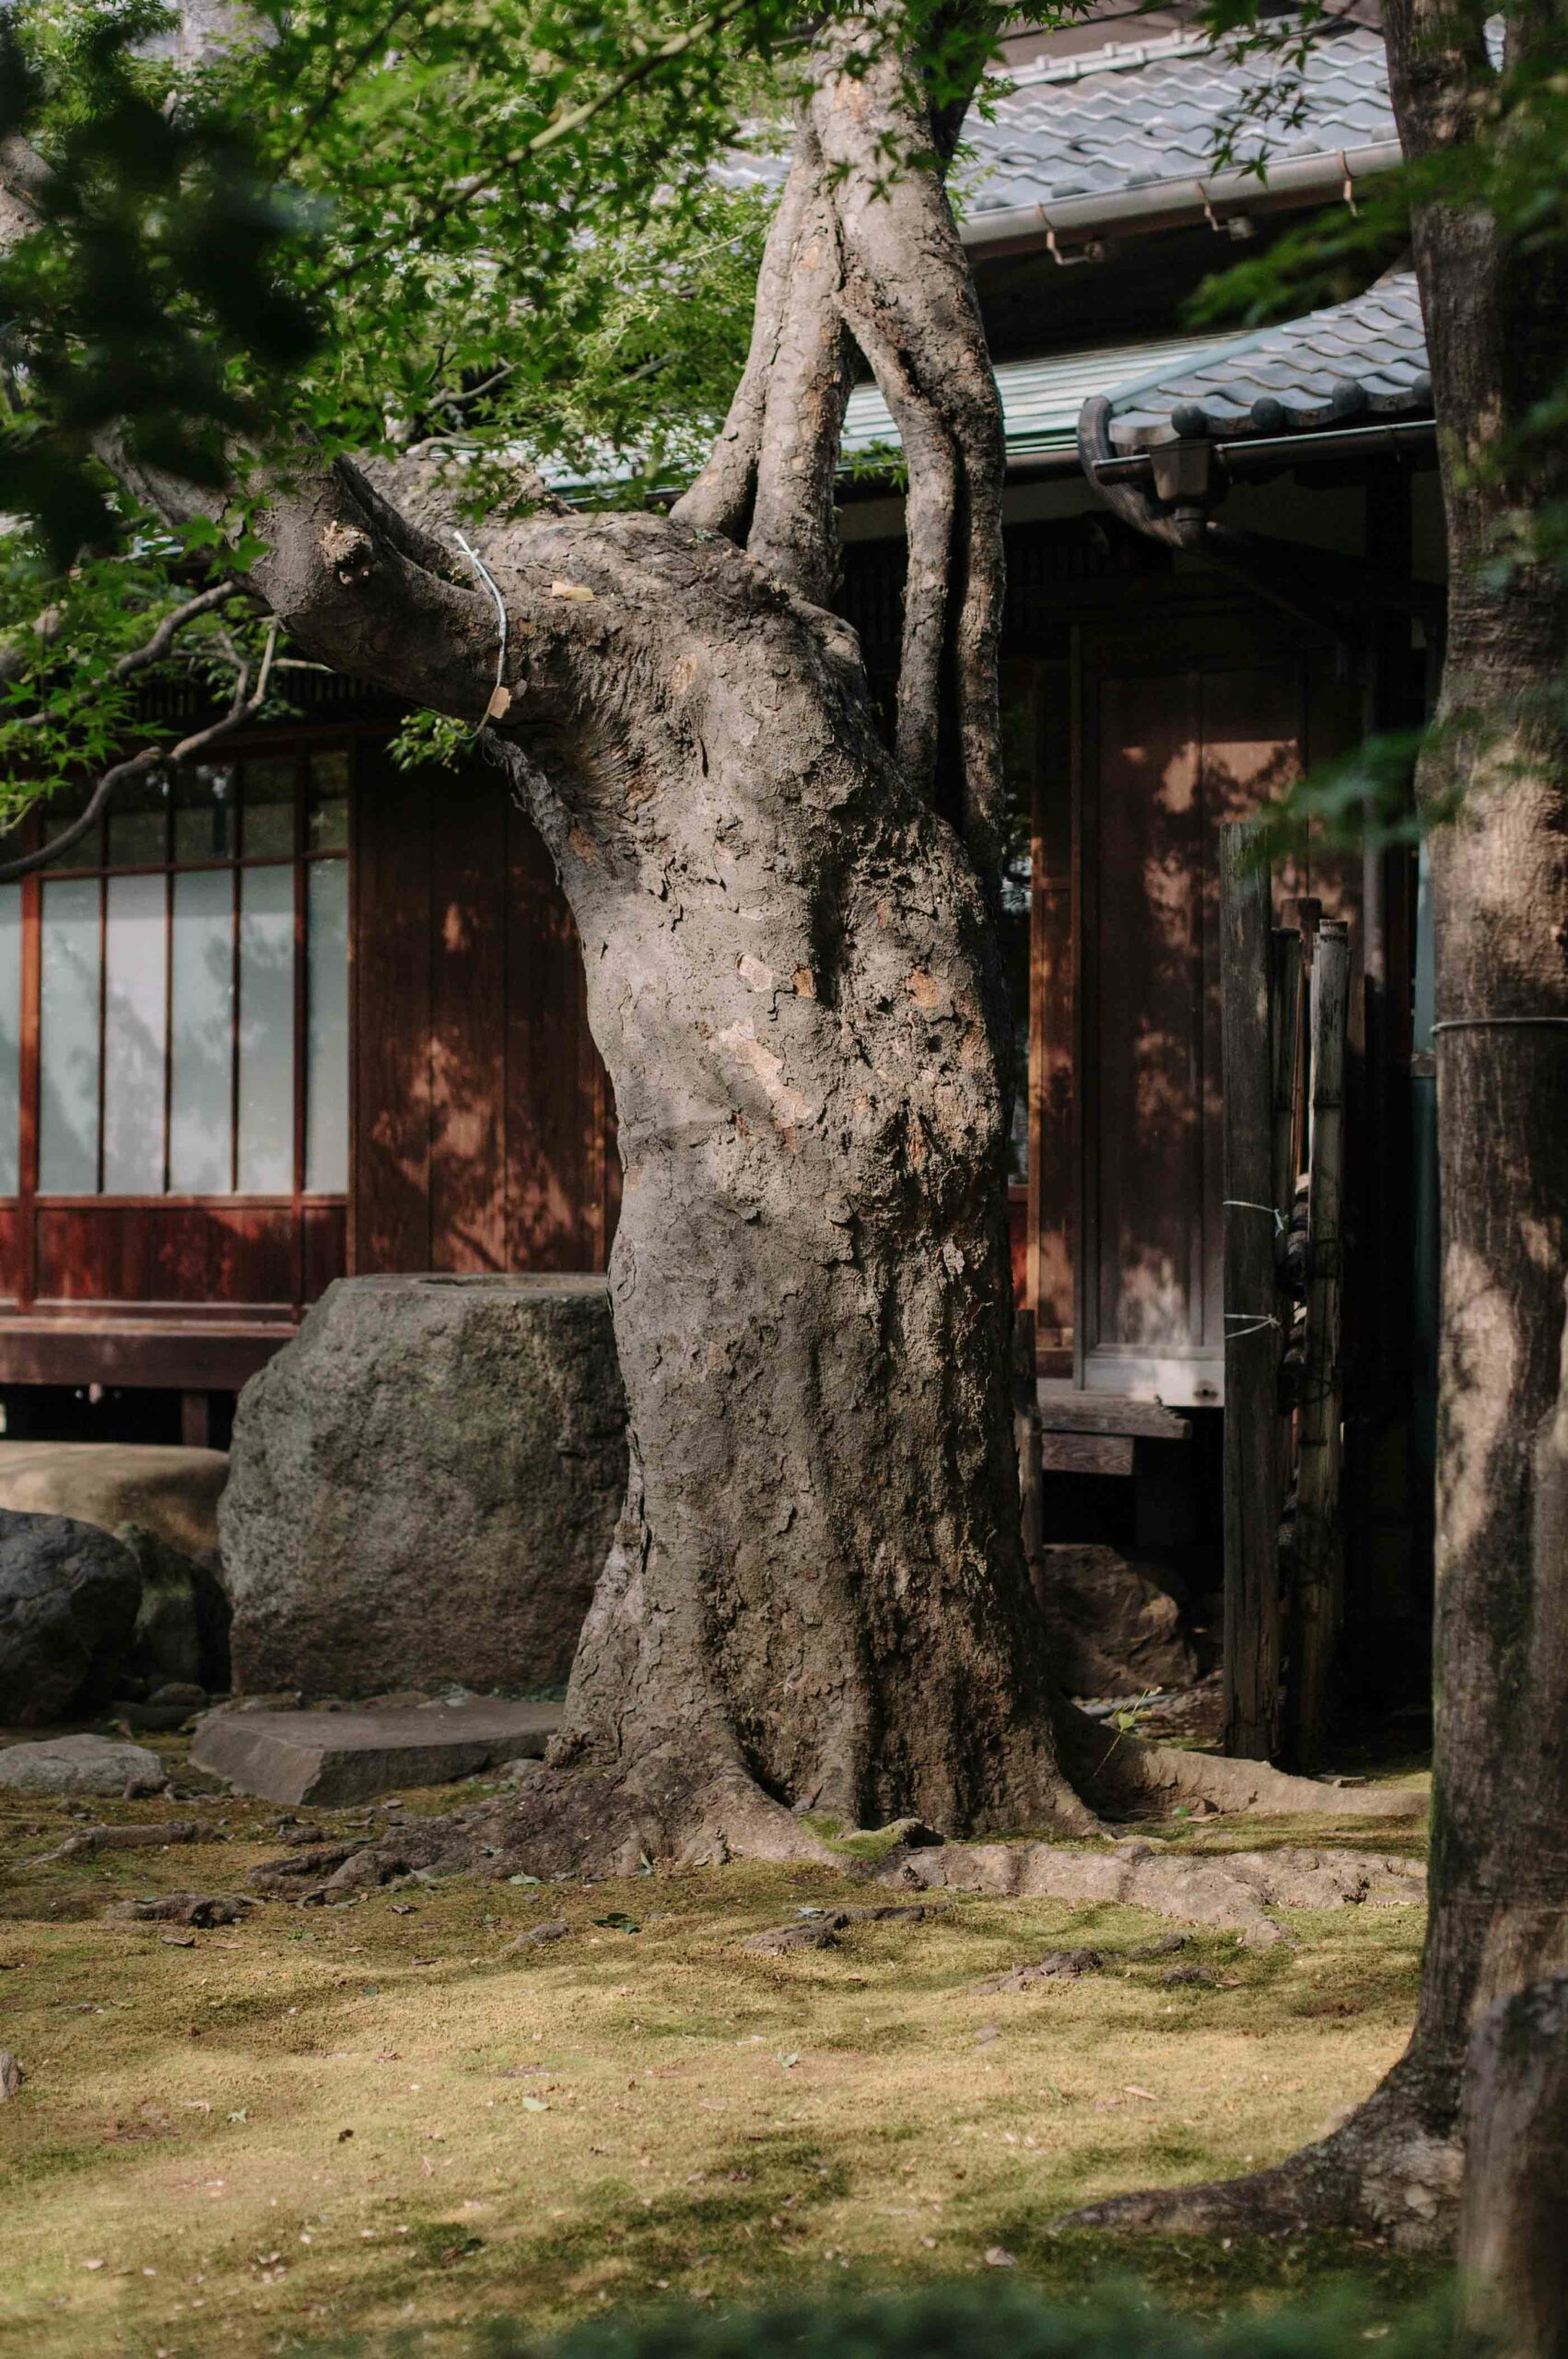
[[328, 1757], [169, 1491]]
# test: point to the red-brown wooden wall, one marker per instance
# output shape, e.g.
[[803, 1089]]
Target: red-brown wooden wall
[[484, 1132]]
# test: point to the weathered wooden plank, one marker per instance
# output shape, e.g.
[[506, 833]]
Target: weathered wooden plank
[[1319, 1576], [1086, 1453], [1285, 1019], [1251, 1498], [390, 1172], [1110, 1412], [1143, 1158], [1286, 1047], [560, 1153], [1252, 724], [468, 882]]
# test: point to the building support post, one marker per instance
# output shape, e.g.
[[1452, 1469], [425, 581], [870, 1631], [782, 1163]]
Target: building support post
[[1320, 1541], [1252, 1328]]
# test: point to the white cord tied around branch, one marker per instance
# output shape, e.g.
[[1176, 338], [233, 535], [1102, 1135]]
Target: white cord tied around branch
[[498, 697], [1240, 1204], [1258, 1321]]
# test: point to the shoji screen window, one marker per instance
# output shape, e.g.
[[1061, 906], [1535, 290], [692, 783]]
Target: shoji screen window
[[192, 988]]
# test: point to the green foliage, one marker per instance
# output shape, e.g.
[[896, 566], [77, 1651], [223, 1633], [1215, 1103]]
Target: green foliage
[[152, 296], [961, 2321], [494, 224], [65, 711]]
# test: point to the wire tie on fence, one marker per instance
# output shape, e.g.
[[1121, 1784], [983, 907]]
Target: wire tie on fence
[[488, 578], [1240, 1204], [1258, 1323], [1486, 1023]]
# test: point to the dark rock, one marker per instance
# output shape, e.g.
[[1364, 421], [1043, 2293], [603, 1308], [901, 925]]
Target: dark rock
[[1114, 1629], [180, 1691], [423, 1487], [154, 1719], [68, 1599], [181, 1635]]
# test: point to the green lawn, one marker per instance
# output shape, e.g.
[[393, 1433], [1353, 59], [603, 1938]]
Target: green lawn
[[380, 2119]]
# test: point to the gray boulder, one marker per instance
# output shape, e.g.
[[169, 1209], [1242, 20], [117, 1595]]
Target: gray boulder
[[423, 1486], [1115, 1631], [68, 1600], [80, 1764]]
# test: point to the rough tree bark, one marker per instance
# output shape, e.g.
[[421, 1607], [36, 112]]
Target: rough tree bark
[[818, 1598], [1497, 327], [1513, 2260]]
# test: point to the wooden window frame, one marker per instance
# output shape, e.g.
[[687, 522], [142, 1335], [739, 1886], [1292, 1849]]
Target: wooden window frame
[[299, 747]]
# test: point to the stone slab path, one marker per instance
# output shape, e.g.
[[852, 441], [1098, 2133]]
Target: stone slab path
[[348, 1757]]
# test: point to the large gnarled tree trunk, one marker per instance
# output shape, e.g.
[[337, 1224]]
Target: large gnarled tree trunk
[[816, 1599]]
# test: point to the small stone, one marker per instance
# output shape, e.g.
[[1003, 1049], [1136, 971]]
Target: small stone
[[80, 1764], [998, 2256], [538, 1934], [11, 2074], [180, 1691]]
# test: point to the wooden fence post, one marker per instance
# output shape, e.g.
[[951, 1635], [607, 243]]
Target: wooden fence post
[[1285, 993], [1251, 1432], [1026, 1433], [1284, 1017], [1320, 1547]]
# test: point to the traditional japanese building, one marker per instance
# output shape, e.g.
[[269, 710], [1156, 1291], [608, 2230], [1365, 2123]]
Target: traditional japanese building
[[298, 1013]]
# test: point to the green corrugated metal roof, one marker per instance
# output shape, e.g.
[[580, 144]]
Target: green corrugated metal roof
[[1040, 399]]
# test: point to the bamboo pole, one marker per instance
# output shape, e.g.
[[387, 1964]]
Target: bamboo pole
[[1284, 1018], [1319, 1552], [1251, 1433], [1285, 1045]]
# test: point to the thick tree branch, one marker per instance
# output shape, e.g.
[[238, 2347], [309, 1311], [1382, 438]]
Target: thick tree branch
[[864, 240]]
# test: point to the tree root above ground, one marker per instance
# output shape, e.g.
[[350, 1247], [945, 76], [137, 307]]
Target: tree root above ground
[[1126, 1777], [1229, 1895], [577, 1822], [1391, 2169]]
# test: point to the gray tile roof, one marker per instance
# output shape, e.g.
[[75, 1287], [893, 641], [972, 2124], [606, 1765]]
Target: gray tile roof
[[1364, 359], [1040, 399], [1135, 112]]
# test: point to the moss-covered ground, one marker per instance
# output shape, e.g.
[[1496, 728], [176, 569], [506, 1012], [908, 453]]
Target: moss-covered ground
[[382, 2121]]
